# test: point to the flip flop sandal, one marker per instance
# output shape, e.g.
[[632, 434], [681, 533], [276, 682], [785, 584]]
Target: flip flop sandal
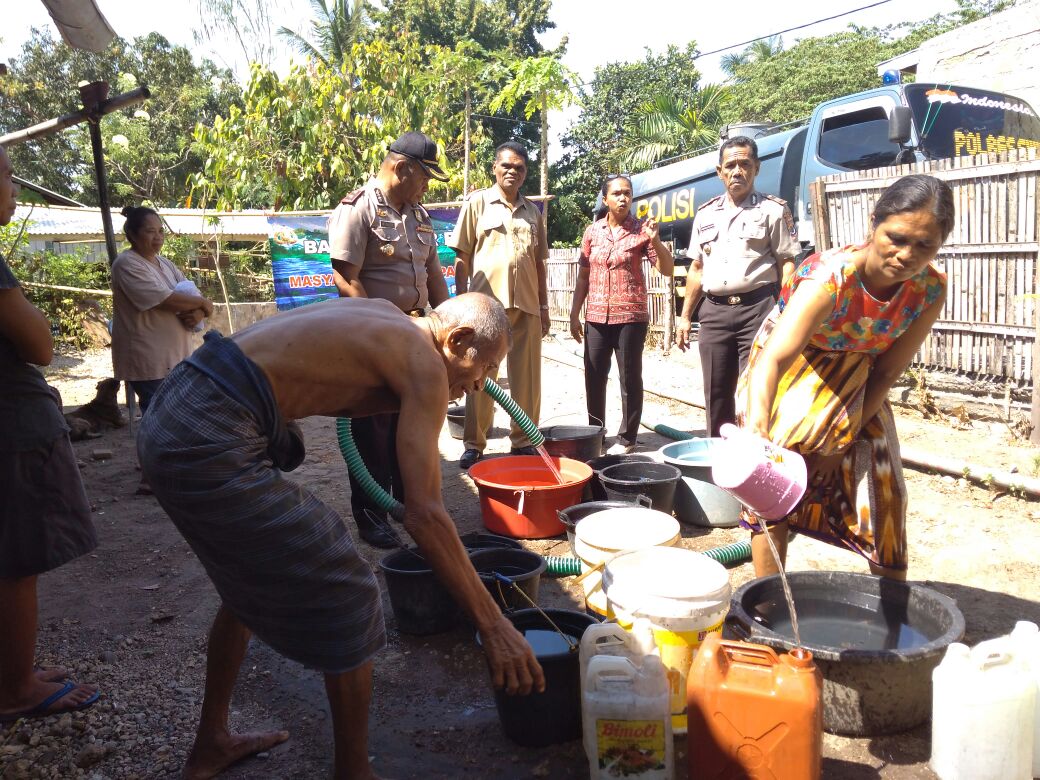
[[41, 710]]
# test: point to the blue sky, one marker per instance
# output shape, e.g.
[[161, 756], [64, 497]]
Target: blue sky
[[598, 32]]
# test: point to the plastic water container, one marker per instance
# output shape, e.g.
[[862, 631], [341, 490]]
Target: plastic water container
[[983, 712], [753, 713], [627, 719], [767, 479], [612, 639], [1026, 638], [600, 537], [685, 596]]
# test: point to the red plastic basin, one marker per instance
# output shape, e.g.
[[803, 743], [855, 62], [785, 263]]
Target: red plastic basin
[[520, 497]]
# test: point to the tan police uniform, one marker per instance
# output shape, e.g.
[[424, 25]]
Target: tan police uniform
[[397, 254], [396, 251], [742, 249], [505, 245]]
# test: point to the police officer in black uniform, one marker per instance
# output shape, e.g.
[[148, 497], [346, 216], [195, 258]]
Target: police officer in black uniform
[[382, 245], [743, 248]]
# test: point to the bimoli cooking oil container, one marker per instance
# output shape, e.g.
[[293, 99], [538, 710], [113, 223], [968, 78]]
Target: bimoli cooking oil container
[[752, 713]]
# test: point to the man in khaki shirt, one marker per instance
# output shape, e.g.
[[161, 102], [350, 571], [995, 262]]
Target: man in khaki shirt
[[743, 249], [501, 246], [382, 245]]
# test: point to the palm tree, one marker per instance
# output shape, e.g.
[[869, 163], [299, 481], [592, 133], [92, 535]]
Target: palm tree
[[335, 27], [762, 49], [665, 126]]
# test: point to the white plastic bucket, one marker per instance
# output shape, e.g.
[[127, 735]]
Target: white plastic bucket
[[685, 596], [599, 537]]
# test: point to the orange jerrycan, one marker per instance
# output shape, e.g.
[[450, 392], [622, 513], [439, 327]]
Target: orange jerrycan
[[753, 714]]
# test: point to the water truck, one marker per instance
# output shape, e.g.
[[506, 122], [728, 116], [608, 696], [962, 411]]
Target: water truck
[[893, 124]]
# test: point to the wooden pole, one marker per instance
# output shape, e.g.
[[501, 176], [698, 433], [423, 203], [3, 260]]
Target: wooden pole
[[465, 148], [1034, 414], [93, 95]]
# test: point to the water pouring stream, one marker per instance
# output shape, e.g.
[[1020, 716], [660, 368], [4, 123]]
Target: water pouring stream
[[787, 587]]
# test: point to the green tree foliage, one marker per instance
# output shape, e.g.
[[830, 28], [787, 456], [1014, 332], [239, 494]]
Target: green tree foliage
[[758, 50], [305, 140], [667, 125], [508, 26], [147, 146], [791, 83], [247, 25], [547, 84], [609, 104], [335, 27]]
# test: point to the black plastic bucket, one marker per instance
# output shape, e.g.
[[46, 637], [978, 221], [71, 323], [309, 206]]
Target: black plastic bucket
[[594, 490], [578, 442], [554, 715], [656, 481], [521, 566], [476, 540], [421, 604], [456, 420]]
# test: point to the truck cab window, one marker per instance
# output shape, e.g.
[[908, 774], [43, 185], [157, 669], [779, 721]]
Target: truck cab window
[[858, 140]]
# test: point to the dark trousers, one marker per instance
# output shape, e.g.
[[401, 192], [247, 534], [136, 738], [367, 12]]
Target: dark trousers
[[144, 389], [376, 440], [601, 343], [724, 341]]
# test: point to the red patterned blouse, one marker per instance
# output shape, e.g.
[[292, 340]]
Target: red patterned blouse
[[617, 287]]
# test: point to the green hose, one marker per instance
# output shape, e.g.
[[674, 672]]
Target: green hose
[[502, 397], [562, 565], [731, 554], [668, 432], [360, 471], [356, 466]]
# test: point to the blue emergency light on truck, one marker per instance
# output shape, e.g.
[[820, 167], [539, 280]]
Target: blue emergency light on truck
[[893, 124]]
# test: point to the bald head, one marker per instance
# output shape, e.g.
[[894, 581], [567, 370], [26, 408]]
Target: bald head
[[482, 313]]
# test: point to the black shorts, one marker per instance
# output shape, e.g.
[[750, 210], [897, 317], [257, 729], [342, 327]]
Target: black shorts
[[44, 512]]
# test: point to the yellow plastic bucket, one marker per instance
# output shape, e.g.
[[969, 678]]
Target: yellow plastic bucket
[[685, 596]]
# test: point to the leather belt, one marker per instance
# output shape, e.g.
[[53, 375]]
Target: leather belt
[[744, 298]]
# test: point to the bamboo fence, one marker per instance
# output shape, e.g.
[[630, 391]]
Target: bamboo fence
[[562, 273], [988, 327]]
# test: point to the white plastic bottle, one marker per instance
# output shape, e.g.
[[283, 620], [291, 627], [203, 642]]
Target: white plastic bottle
[[627, 719], [1026, 637], [983, 704]]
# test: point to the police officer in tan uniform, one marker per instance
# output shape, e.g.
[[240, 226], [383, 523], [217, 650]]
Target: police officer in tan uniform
[[743, 249], [382, 245]]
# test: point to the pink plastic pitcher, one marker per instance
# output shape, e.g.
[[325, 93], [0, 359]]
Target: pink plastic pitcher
[[767, 479]]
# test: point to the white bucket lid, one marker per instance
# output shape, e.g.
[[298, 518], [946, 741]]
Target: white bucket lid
[[666, 581], [626, 529]]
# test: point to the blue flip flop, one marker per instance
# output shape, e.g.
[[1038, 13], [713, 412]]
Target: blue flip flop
[[41, 709]]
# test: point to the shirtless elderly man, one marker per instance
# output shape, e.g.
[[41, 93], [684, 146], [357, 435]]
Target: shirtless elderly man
[[213, 446]]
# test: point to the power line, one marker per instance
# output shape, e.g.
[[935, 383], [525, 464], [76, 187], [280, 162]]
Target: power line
[[792, 29]]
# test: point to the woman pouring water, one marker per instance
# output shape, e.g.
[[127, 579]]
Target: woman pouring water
[[846, 326]]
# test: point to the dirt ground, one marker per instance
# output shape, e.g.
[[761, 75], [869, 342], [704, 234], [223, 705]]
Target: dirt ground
[[133, 616]]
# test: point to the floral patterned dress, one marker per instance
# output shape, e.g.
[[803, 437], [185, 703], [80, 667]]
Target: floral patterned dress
[[819, 403]]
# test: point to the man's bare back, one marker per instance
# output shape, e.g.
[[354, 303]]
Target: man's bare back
[[347, 357]]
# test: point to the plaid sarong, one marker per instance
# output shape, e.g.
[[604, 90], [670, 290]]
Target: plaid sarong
[[212, 447]]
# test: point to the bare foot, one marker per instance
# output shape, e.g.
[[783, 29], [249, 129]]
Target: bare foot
[[29, 703], [210, 759], [51, 673]]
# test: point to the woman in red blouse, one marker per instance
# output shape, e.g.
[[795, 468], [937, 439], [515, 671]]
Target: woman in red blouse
[[612, 285]]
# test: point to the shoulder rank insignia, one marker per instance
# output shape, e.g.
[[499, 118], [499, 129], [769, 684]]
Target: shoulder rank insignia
[[709, 201], [352, 198]]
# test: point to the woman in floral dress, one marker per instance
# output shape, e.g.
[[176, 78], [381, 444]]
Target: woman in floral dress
[[847, 325]]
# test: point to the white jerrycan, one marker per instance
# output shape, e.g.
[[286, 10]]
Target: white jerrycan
[[627, 719], [612, 639], [983, 703], [1026, 637]]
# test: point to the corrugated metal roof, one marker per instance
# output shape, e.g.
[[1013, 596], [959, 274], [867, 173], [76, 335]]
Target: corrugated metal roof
[[61, 223]]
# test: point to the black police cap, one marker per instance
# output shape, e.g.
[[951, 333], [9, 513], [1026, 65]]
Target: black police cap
[[421, 148]]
